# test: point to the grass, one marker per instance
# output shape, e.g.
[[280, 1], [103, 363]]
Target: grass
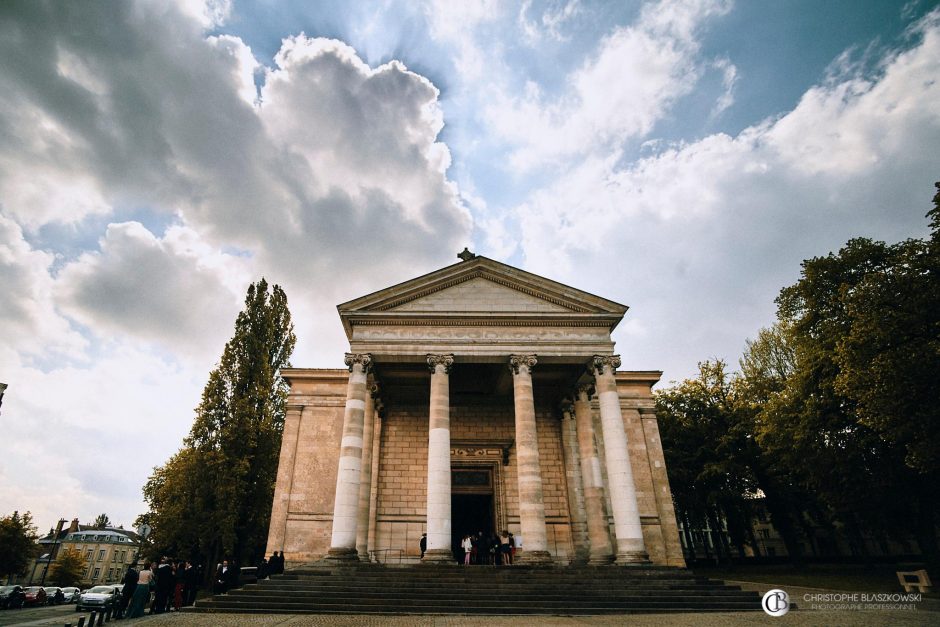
[[847, 577]]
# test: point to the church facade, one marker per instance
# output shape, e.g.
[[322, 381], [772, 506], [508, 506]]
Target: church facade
[[476, 398]]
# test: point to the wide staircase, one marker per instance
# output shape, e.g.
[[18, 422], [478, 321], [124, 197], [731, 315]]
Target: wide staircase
[[427, 589]]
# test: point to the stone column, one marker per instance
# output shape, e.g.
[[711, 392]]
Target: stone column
[[531, 505], [438, 510], [346, 503], [576, 513], [627, 528], [365, 478], [601, 549]]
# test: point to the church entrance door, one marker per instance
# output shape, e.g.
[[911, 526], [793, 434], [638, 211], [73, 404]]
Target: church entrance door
[[471, 505]]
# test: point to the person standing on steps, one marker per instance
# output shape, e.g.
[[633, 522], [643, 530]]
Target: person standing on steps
[[467, 546], [423, 544], [505, 550]]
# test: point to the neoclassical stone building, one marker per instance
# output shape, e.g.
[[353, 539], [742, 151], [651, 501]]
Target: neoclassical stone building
[[476, 398]]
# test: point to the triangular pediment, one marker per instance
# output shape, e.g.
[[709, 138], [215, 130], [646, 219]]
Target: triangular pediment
[[480, 287], [479, 294]]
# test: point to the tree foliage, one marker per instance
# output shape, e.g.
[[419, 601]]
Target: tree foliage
[[834, 414], [101, 521], [68, 568], [17, 543], [213, 497]]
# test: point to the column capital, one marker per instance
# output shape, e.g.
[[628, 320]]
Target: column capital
[[517, 362], [567, 408], [584, 392], [440, 360], [374, 390], [599, 363], [363, 359]]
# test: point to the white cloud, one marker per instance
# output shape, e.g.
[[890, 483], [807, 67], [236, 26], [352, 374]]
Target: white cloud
[[332, 184], [632, 80], [31, 325], [550, 23], [175, 292], [725, 221], [79, 441]]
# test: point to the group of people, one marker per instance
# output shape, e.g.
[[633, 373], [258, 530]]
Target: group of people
[[165, 585], [488, 548]]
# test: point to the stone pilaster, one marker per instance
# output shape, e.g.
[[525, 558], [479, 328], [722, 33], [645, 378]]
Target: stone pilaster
[[438, 510], [576, 511], [376, 457], [277, 530], [531, 504], [601, 549], [627, 528], [346, 502], [365, 480]]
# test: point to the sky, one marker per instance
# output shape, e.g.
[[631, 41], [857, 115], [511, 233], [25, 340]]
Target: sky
[[681, 157]]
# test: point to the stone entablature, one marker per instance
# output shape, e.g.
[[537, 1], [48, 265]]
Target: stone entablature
[[478, 381]]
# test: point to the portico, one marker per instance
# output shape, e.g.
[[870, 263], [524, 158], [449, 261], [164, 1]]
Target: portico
[[484, 392]]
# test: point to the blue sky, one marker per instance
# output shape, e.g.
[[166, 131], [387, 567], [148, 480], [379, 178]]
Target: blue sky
[[679, 156]]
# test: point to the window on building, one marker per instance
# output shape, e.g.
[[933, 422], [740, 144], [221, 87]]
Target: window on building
[[97, 573], [100, 555], [89, 554]]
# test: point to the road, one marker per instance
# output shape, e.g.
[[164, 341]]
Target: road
[[48, 615]]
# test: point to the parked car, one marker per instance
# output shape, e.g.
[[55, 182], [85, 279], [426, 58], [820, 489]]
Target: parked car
[[35, 596], [54, 595], [71, 594], [12, 596], [99, 597]]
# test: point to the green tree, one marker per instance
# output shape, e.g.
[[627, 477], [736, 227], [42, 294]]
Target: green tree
[[101, 521], [68, 568], [214, 496], [707, 443], [17, 543], [856, 418]]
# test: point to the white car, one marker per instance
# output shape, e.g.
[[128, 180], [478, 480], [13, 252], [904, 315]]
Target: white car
[[71, 594], [97, 598]]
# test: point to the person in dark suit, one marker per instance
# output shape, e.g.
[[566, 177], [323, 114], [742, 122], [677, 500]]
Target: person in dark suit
[[234, 573], [423, 544], [222, 576], [190, 584], [164, 577], [130, 584]]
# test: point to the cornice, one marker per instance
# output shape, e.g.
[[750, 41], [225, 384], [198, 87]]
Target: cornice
[[528, 319]]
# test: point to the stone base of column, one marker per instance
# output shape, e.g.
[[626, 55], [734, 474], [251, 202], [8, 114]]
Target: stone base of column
[[438, 556], [364, 556], [632, 558], [533, 558], [601, 560], [341, 556]]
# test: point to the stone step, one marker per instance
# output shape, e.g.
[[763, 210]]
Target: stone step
[[372, 589], [490, 588], [569, 610]]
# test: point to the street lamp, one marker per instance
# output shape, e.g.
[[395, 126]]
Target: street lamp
[[55, 543]]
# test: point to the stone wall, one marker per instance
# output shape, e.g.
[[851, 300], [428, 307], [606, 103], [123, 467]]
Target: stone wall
[[402, 483], [302, 512]]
